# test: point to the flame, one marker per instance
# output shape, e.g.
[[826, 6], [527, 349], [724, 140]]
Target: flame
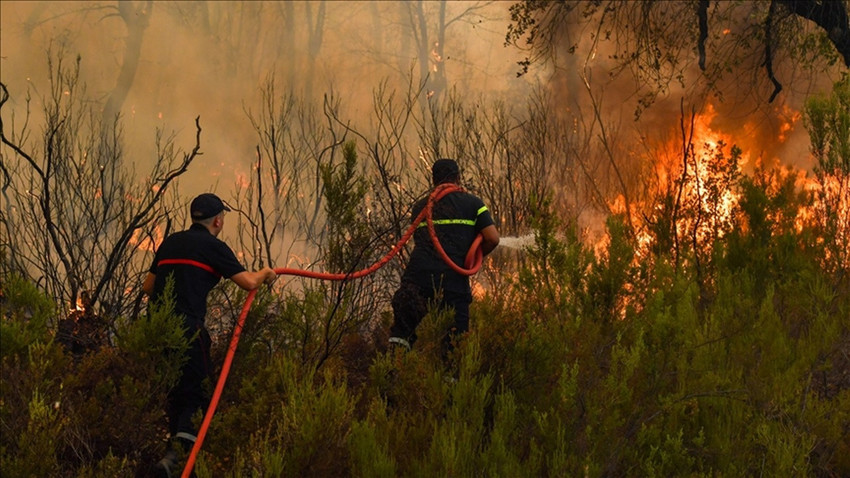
[[436, 58], [790, 118], [242, 181], [832, 204], [148, 243], [708, 145], [701, 180], [478, 291], [806, 215], [698, 177]]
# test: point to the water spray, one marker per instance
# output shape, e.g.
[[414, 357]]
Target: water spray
[[517, 242]]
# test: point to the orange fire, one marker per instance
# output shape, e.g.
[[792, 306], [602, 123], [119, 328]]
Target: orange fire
[[149, 243], [832, 201], [242, 181], [693, 189], [698, 177], [790, 119]]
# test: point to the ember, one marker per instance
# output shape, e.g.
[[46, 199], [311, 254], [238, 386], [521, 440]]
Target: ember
[[82, 331]]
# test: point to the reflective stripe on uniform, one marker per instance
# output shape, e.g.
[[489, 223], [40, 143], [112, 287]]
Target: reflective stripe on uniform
[[188, 262], [186, 436], [465, 222], [400, 341]]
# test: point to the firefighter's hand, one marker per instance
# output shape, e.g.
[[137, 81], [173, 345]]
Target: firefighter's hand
[[269, 275]]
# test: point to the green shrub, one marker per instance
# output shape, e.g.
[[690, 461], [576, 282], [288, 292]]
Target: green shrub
[[293, 422], [25, 316], [590, 364], [370, 456], [31, 393]]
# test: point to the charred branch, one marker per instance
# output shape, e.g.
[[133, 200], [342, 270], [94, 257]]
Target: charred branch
[[768, 51], [144, 216], [4, 96], [702, 14], [267, 243], [136, 18]]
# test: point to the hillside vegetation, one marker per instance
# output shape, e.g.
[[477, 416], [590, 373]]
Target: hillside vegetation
[[681, 352]]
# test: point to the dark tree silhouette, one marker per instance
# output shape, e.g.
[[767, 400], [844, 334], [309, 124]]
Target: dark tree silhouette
[[655, 39]]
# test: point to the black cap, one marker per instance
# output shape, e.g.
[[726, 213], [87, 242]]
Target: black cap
[[206, 206], [444, 170]]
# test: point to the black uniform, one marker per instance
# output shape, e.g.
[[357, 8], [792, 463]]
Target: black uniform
[[458, 218], [197, 260]]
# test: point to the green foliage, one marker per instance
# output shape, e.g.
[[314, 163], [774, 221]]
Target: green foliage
[[369, 457], [35, 451], [297, 328], [95, 415], [110, 465], [25, 314], [313, 323], [295, 423], [828, 122], [596, 362], [156, 338], [344, 191], [555, 270], [31, 391]]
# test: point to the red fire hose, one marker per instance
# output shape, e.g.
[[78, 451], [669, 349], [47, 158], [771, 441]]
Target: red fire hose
[[471, 265]]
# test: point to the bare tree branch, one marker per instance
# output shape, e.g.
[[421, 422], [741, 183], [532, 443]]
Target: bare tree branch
[[768, 51], [702, 14], [143, 216]]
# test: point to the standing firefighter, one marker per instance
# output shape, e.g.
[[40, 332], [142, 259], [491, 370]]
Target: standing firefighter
[[458, 218], [197, 260]]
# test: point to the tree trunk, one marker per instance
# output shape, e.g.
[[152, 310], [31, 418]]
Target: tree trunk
[[136, 18]]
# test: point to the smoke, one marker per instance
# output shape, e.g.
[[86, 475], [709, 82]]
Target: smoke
[[738, 97], [210, 59]]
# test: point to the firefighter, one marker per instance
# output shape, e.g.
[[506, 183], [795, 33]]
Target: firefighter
[[197, 260], [458, 218]]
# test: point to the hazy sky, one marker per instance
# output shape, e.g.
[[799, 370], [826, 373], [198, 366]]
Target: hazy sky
[[209, 59]]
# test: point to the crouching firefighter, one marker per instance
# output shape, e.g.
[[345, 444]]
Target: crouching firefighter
[[197, 260]]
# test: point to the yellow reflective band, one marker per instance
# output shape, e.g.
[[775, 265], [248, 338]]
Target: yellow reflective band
[[483, 208], [465, 222]]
